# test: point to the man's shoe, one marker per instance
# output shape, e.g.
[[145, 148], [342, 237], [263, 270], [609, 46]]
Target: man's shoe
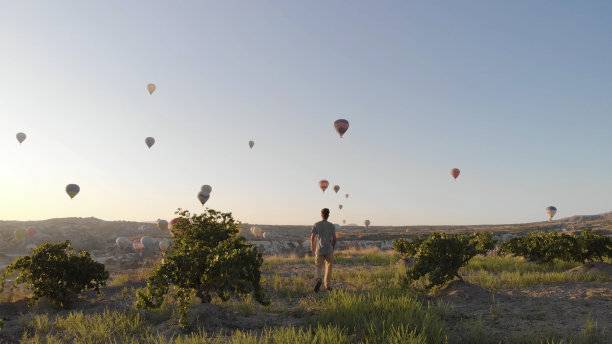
[[317, 286]]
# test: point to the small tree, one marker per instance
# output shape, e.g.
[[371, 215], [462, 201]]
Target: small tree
[[54, 271], [439, 257], [544, 247], [207, 257]]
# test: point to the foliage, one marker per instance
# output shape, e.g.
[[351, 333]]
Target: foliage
[[207, 257], [544, 247], [54, 271], [439, 257]]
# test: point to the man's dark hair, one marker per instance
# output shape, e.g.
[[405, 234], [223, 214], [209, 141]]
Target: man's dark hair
[[325, 213]]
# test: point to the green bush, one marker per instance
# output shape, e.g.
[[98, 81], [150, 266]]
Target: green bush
[[208, 257], [439, 257], [545, 247], [54, 271]]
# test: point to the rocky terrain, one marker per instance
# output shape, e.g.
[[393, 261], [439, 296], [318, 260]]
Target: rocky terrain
[[98, 236]]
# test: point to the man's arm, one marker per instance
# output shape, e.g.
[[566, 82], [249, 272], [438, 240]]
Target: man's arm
[[334, 242], [312, 246]]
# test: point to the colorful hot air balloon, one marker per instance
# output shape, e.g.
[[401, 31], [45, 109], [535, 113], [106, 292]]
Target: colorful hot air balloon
[[336, 188], [340, 206], [151, 88], [149, 141], [455, 173], [72, 190], [551, 211], [31, 231], [21, 137], [137, 245], [162, 225], [251, 143], [341, 126], [323, 184], [20, 234], [367, 223]]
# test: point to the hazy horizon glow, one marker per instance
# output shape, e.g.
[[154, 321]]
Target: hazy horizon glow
[[515, 94]]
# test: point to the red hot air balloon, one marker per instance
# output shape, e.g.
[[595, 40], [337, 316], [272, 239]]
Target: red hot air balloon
[[346, 196], [323, 184], [455, 172], [31, 231], [341, 126]]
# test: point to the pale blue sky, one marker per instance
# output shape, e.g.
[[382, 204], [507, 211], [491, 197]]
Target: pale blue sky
[[517, 94]]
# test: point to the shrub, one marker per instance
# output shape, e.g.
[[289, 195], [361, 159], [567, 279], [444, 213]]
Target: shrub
[[54, 271], [208, 257], [439, 257], [544, 247]]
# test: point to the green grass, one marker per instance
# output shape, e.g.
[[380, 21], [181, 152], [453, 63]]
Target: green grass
[[510, 264], [77, 327], [384, 316], [517, 280]]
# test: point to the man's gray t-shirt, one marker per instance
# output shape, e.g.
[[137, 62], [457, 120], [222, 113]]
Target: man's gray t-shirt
[[324, 235]]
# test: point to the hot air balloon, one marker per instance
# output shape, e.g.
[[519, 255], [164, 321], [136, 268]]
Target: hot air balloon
[[149, 141], [266, 235], [203, 197], [341, 126], [367, 223], [148, 242], [346, 196], [137, 245], [21, 137], [455, 173], [72, 190], [256, 231], [251, 143], [123, 242], [164, 245], [551, 211], [336, 188], [343, 222], [206, 188], [31, 231], [162, 225], [323, 184], [340, 206], [151, 88], [20, 234]]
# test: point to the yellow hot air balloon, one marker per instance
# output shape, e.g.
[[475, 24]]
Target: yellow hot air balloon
[[151, 88]]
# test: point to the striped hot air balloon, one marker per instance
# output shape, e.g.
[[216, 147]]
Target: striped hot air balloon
[[341, 126], [455, 173], [323, 184], [137, 245]]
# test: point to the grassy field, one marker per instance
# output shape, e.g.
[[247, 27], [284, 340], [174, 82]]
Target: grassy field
[[370, 304]]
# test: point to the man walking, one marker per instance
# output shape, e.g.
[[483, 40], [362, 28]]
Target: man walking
[[322, 244]]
